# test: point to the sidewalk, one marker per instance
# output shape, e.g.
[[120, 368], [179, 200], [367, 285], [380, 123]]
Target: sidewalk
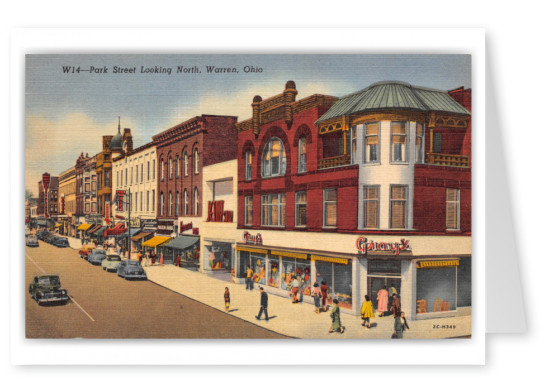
[[294, 320]]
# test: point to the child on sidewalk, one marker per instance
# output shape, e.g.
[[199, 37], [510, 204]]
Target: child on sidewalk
[[227, 299]]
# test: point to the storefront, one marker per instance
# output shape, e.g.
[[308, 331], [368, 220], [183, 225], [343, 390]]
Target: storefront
[[185, 246]]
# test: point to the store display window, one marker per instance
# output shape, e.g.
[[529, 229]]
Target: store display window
[[338, 278], [299, 268], [436, 289], [273, 272], [258, 263]]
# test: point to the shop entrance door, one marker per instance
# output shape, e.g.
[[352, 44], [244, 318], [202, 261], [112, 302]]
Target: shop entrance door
[[374, 284]]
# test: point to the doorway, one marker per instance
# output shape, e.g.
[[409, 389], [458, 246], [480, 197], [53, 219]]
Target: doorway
[[376, 283]]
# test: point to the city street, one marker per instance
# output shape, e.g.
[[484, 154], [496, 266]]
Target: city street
[[103, 305]]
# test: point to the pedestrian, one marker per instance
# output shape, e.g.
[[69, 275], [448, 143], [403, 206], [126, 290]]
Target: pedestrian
[[263, 304], [153, 255], [382, 301], [396, 307], [391, 292], [248, 279], [400, 325], [227, 299], [336, 318], [367, 312], [317, 297], [324, 293], [178, 259], [294, 289], [139, 256]]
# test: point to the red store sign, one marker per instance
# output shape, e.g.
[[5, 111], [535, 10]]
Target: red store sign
[[363, 245], [252, 239]]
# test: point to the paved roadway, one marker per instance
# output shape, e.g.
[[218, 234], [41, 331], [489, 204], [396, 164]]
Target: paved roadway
[[104, 305]]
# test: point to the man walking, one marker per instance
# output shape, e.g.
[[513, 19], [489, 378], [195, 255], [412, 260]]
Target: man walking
[[249, 278], [263, 304]]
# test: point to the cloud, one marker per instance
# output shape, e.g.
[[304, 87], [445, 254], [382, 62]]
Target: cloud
[[54, 145], [238, 103]]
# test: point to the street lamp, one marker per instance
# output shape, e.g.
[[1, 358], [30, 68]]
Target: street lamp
[[125, 198]]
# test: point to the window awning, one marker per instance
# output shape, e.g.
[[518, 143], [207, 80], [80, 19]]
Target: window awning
[[156, 241], [94, 229], [182, 242], [84, 227], [118, 229], [58, 225], [140, 236], [321, 258], [252, 249], [98, 233]]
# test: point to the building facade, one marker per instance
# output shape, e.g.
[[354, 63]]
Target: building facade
[[182, 152], [67, 201], [104, 179], [366, 192]]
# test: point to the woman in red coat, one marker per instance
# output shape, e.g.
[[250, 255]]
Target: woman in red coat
[[324, 289]]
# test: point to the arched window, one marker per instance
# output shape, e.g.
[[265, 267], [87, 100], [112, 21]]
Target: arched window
[[186, 203], [162, 170], [274, 161], [170, 203], [186, 164], [302, 154], [169, 168], [196, 160], [177, 205], [177, 165], [196, 199], [248, 165], [162, 201]]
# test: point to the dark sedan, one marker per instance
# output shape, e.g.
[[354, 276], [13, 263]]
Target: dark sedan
[[131, 270]]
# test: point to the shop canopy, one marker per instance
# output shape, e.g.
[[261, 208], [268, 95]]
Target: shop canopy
[[182, 242], [58, 225], [140, 236], [99, 232], [118, 229], [156, 241], [84, 227], [94, 229]]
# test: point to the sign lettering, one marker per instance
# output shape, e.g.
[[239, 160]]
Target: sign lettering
[[363, 245], [252, 239]]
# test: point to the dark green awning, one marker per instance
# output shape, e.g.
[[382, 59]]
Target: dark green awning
[[182, 242]]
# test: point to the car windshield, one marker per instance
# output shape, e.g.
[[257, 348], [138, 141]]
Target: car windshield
[[99, 252], [133, 263], [48, 280], [113, 258]]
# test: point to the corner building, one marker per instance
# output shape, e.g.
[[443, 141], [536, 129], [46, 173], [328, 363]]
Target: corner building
[[368, 191]]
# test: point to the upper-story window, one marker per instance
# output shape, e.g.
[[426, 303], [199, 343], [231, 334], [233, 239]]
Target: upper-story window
[[170, 168], [196, 199], [437, 147], [398, 206], [162, 171], [419, 144], [177, 165], [137, 174], [131, 174], [354, 144], [248, 165], [196, 160], [273, 159], [452, 208], [186, 164], [186, 203], [170, 203], [398, 142], [153, 169], [300, 209], [141, 173], [107, 178], [162, 202], [302, 154], [371, 151], [126, 176], [273, 210], [249, 210], [177, 204], [330, 208], [371, 207], [148, 168]]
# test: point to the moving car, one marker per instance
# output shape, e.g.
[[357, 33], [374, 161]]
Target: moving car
[[59, 241], [97, 256], [31, 241], [131, 269], [85, 251], [46, 288], [111, 262]]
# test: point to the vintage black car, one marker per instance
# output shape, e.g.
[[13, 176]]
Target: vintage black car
[[46, 288], [42, 235], [131, 270], [59, 241], [31, 241]]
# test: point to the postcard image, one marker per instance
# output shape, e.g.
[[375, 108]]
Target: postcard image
[[307, 196]]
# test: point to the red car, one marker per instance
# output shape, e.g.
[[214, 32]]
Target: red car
[[85, 251]]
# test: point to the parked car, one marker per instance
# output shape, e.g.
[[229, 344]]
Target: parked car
[[111, 262], [97, 256], [59, 241], [85, 251], [131, 269], [43, 235], [50, 239], [46, 288], [31, 241]]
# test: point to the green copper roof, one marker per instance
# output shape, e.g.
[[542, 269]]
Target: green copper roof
[[394, 95]]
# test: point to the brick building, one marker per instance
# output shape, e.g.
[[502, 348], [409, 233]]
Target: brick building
[[368, 191]]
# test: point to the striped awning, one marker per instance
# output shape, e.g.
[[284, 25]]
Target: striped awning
[[289, 254], [84, 227], [155, 241], [141, 235]]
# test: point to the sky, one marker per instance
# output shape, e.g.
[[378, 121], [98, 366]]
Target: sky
[[68, 112]]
